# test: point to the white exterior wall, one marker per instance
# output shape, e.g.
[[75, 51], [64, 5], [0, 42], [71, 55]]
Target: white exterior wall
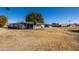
[[42, 26], [38, 26]]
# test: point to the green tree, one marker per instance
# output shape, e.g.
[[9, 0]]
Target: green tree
[[3, 20], [35, 17]]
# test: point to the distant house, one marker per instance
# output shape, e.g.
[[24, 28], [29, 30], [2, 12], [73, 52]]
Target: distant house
[[56, 25], [52, 25], [70, 25], [64, 25], [26, 25], [74, 25]]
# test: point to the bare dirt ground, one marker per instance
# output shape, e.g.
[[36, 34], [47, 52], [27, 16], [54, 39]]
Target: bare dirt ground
[[51, 39]]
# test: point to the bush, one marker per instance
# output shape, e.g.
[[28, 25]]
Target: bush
[[3, 20]]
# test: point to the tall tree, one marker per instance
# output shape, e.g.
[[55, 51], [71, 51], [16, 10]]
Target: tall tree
[[35, 17]]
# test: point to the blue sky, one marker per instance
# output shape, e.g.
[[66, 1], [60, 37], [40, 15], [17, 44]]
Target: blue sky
[[62, 15]]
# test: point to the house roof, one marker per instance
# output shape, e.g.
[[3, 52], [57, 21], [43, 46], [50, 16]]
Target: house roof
[[26, 23]]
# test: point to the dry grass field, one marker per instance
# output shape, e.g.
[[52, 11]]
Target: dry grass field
[[50, 39]]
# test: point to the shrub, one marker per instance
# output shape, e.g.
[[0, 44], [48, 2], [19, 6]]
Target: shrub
[[3, 20]]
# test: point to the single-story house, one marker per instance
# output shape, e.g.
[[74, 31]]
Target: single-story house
[[26, 25]]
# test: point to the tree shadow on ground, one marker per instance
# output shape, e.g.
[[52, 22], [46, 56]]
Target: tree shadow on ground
[[76, 31]]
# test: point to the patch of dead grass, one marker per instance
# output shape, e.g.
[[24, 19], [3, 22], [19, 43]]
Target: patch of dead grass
[[52, 39]]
